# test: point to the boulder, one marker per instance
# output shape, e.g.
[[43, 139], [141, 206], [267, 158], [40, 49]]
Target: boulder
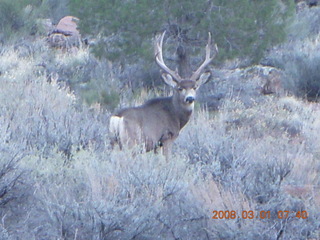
[[65, 35]]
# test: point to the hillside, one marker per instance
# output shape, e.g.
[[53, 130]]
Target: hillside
[[245, 167]]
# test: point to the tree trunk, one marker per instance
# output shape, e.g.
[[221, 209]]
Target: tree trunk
[[183, 60]]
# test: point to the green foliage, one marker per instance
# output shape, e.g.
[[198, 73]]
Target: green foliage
[[14, 15], [54, 9], [303, 74], [106, 98], [299, 58], [19, 17], [240, 28]]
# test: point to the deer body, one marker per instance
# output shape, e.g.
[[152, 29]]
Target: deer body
[[157, 123]]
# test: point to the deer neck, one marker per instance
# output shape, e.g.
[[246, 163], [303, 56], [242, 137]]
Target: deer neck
[[182, 111]]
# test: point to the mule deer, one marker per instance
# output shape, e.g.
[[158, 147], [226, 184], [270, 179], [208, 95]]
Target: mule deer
[[157, 122]]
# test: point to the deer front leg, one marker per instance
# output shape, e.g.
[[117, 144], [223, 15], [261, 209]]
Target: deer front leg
[[166, 142], [167, 149]]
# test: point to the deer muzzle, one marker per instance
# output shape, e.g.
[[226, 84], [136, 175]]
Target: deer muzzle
[[190, 99]]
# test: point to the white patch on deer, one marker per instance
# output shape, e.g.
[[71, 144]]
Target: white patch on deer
[[189, 106], [116, 126]]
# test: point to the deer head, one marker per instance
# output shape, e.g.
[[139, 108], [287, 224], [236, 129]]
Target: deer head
[[185, 88]]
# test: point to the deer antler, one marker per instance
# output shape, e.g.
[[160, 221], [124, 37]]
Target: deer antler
[[159, 59], [207, 60]]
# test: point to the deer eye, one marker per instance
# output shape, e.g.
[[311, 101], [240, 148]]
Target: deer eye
[[180, 89]]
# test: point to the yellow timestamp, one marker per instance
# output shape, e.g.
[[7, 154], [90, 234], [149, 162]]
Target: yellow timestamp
[[232, 214]]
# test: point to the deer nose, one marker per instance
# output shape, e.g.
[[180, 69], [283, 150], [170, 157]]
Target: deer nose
[[190, 99]]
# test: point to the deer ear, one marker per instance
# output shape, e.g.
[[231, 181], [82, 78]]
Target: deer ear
[[169, 80], [204, 77]]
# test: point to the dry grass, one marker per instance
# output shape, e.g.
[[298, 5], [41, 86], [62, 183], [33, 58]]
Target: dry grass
[[67, 183]]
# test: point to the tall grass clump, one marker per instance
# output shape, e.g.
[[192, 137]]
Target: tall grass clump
[[304, 75], [42, 121], [258, 158], [113, 195], [299, 57], [91, 80]]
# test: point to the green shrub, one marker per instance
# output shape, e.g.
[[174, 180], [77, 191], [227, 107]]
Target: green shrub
[[304, 73], [299, 57], [16, 17], [300, 61], [242, 30]]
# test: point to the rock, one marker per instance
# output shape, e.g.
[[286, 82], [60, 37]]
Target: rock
[[65, 35]]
